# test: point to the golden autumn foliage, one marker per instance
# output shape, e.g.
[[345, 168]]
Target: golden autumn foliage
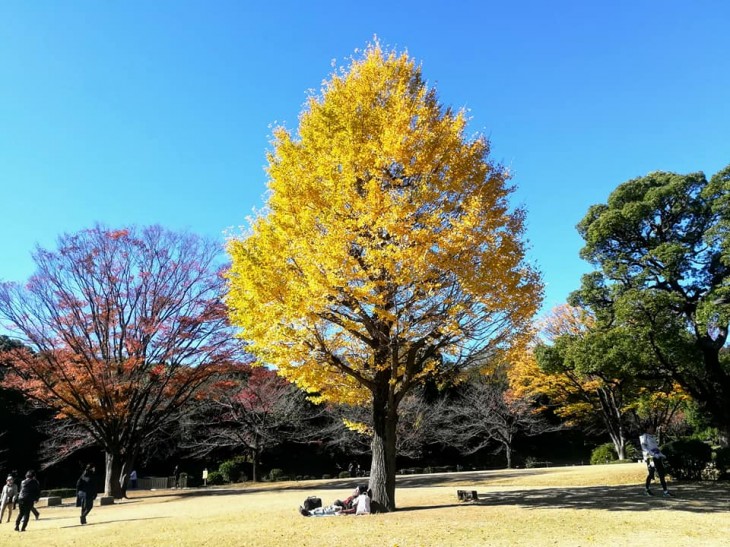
[[586, 382], [386, 229], [388, 251]]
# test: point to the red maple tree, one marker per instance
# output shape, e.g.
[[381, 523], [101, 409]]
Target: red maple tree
[[120, 329]]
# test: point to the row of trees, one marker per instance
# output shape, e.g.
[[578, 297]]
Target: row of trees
[[388, 258]]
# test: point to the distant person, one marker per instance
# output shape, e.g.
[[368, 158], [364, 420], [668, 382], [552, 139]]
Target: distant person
[[133, 480], [30, 492], [654, 461], [176, 474], [86, 491], [8, 497]]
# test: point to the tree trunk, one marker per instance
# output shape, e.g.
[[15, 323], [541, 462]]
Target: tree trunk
[[255, 465], [508, 455], [613, 419], [113, 472], [382, 467]]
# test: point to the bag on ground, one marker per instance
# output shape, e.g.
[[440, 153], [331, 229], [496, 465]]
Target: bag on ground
[[312, 502]]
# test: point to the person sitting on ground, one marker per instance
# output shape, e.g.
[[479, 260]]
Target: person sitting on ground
[[358, 503]]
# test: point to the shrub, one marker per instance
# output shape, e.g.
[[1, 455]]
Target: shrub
[[276, 475], [215, 478], [344, 475], [604, 453], [721, 458], [60, 492], [327, 477], [632, 453], [687, 458], [232, 470]]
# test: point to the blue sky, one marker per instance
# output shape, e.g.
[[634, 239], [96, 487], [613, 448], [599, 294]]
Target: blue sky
[[160, 112]]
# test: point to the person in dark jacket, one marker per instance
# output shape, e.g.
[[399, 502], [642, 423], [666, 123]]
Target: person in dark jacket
[[86, 491], [16, 479], [30, 492]]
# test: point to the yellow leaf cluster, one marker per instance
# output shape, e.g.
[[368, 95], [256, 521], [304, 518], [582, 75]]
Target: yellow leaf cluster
[[388, 247]]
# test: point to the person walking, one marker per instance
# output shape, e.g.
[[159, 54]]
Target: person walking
[[86, 491], [8, 498], [654, 461], [16, 480], [30, 492]]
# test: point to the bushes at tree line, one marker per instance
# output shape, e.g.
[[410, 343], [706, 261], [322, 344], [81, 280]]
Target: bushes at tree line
[[687, 459], [215, 478], [721, 459], [60, 492], [606, 453], [232, 470], [603, 453], [276, 475]]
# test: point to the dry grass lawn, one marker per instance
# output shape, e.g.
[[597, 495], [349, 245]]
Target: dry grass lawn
[[596, 505]]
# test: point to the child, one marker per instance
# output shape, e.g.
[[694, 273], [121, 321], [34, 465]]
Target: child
[[8, 498]]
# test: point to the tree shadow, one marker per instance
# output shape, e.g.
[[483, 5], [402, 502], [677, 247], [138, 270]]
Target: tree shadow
[[346, 484], [690, 497], [99, 523], [696, 497]]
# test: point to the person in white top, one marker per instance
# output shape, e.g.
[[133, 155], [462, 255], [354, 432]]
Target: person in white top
[[654, 461], [363, 504], [8, 498]]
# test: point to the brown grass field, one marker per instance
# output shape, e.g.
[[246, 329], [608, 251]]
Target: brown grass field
[[591, 505]]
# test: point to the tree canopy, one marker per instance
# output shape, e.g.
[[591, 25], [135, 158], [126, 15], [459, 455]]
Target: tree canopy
[[121, 328], [661, 244], [388, 252]]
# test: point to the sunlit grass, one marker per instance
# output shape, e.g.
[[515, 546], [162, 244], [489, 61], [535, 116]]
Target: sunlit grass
[[597, 505]]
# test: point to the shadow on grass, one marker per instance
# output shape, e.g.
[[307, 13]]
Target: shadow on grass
[[346, 485], [699, 497], [691, 497], [99, 523]]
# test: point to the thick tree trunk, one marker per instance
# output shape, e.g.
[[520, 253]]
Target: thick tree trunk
[[382, 467], [113, 472]]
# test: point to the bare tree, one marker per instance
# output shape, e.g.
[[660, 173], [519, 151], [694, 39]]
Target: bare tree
[[350, 428], [486, 412], [250, 409]]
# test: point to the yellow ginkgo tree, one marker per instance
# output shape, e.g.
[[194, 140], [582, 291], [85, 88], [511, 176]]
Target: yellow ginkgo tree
[[387, 253]]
